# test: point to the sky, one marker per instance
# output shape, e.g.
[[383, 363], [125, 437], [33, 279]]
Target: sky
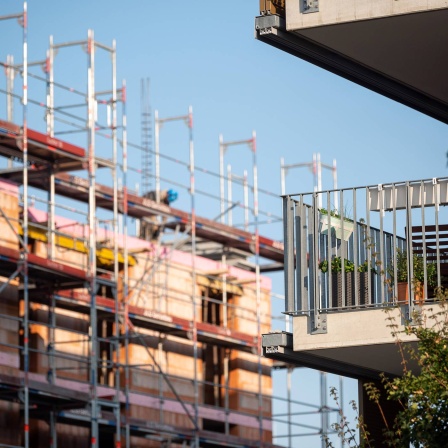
[[203, 53]]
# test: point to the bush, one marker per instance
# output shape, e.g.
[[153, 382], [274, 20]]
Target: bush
[[336, 265], [422, 420]]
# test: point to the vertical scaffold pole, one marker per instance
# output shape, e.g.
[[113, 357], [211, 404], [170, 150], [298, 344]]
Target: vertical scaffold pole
[[92, 240], [26, 411], [258, 285], [53, 432], [222, 150], [53, 371], [341, 400], [282, 176], [49, 69], [323, 408], [125, 265], [289, 397], [319, 178], [335, 184], [246, 201], [116, 342], [50, 131], [229, 195], [193, 273]]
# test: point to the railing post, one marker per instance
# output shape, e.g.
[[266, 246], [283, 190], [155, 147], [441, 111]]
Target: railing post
[[288, 233], [436, 187], [301, 257], [318, 321], [409, 253]]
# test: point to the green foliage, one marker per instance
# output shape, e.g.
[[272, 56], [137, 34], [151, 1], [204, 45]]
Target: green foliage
[[335, 214], [418, 269], [422, 419], [336, 265], [344, 429]]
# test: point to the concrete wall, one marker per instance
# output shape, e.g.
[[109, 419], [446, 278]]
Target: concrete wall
[[347, 329], [363, 339], [333, 12]]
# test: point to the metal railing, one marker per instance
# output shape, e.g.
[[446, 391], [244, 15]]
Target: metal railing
[[360, 255]]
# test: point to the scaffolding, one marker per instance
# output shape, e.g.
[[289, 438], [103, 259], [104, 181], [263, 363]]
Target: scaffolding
[[115, 339]]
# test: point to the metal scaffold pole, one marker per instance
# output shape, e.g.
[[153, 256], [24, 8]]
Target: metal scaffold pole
[[258, 280], [324, 408], [222, 150], [341, 399], [193, 275], [335, 184], [53, 414], [246, 201], [125, 264], [50, 89], [92, 241], [116, 343], [49, 72], [52, 373], [48, 68], [289, 371], [229, 195], [157, 153], [26, 412]]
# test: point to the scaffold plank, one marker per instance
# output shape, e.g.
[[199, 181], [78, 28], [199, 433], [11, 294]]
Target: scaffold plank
[[41, 147]]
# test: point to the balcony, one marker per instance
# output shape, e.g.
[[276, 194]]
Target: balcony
[[394, 48], [353, 269]]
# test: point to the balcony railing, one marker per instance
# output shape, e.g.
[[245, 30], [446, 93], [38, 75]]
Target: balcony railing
[[386, 244]]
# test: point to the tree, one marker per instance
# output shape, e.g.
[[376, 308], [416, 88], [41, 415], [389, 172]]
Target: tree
[[422, 419]]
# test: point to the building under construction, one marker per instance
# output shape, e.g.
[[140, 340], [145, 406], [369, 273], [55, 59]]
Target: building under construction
[[112, 335]]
